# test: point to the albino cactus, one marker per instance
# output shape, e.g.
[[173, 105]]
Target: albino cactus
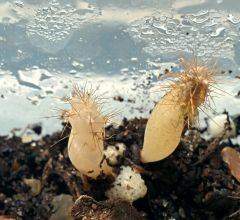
[[85, 145], [177, 108], [163, 130]]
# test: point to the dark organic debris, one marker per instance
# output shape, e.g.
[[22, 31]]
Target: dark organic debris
[[176, 188], [86, 208]]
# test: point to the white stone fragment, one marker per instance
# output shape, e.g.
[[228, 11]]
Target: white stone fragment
[[112, 153], [121, 147], [128, 186], [216, 126]]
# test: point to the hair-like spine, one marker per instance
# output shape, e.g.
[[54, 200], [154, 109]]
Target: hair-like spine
[[194, 88]]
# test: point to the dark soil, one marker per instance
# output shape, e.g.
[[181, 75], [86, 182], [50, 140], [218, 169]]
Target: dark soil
[[192, 183]]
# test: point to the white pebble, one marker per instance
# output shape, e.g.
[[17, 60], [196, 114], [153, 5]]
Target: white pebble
[[216, 126], [113, 152], [128, 186]]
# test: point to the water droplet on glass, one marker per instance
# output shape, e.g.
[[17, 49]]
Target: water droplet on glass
[[52, 25]]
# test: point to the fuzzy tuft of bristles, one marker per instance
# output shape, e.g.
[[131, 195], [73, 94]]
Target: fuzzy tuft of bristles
[[90, 101], [193, 88]]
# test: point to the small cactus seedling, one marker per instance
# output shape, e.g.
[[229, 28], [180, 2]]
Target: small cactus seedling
[[85, 145], [179, 107]]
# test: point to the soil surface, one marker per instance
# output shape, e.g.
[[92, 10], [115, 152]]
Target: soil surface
[[192, 183]]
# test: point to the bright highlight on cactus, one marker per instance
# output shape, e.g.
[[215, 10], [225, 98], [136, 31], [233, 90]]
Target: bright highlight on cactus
[[179, 107], [85, 145]]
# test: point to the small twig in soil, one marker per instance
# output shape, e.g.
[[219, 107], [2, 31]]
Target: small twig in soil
[[234, 214], [47, 170], [214, 144], [138, 168], [68, 177], [209, 151]]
